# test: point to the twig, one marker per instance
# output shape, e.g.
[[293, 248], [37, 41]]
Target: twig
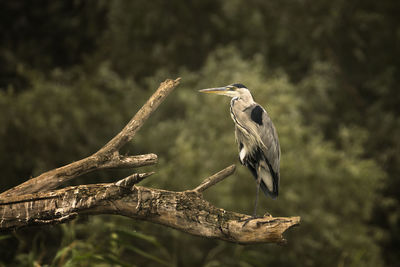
[[216, 178], [129, 181]]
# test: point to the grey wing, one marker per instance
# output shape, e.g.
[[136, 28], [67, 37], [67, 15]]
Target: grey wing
[[269, 137], [262, 127]]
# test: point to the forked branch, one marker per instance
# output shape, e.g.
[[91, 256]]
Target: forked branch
[[107, 157], [36, 202]]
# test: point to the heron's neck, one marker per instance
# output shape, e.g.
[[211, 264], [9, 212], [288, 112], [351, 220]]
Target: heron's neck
[[246, 99]]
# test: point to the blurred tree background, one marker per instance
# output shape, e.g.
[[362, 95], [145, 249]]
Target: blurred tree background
[[72, 73]]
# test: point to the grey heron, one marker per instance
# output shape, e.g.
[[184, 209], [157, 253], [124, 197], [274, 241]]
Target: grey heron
[[256, 137]]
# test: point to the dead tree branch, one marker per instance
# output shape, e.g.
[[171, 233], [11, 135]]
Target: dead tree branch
[[107, 157], [186, 211], [36, 202], [216, 178]]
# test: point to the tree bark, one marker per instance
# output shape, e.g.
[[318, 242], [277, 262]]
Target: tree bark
[[108, 156], [36, 202]]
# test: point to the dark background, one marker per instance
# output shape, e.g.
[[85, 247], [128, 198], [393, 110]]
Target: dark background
[[72, 73]]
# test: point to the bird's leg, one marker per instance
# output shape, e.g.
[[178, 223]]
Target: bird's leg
[[257, 192], [255, 204]]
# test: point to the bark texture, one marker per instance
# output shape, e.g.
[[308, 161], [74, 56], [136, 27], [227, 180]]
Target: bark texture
[[37, 202]]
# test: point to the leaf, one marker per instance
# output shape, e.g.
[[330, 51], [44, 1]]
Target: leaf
[[115, 260], [148, 238], [62, 252], [147, 255]]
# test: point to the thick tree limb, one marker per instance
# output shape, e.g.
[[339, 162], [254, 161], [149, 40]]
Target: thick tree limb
[[107, 157], [33, 202], [186, 211]]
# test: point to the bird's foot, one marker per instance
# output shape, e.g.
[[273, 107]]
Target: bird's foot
[[267, 214]]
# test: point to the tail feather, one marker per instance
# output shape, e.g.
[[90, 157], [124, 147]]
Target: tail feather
[[259, 166], [269, 182]]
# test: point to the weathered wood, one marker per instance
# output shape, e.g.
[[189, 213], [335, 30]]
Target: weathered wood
[[186, 211], [212, 180], [107, 157]]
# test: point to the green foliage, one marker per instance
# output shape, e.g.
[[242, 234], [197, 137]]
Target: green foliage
[[108, 244], [327, 72], [60, 120], [333, 190], [46, 35], [100, 242]]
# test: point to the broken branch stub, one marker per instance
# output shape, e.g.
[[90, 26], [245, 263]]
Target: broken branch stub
[[216, 178]]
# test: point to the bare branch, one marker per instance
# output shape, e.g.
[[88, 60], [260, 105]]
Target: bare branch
[[185, 211], [130, 181], [141, 116], [216, 178], [118, 161], [106, 157]]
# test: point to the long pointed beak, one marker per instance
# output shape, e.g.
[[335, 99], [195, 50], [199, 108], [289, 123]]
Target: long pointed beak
[[217, 90]]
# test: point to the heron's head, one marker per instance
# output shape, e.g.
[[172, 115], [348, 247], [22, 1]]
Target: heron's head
[[234, 90]]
